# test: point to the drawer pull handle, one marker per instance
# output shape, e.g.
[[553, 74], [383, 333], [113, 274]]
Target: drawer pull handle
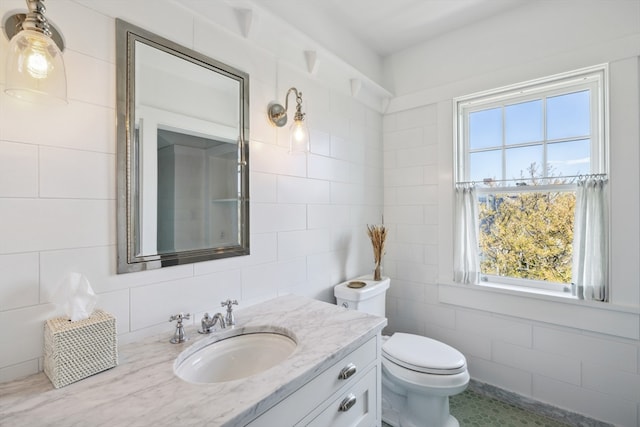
[[347, 371], [347, 403]]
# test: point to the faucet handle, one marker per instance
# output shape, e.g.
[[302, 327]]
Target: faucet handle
[[228, 303], [179, 317], [229, 319], [179, 335]]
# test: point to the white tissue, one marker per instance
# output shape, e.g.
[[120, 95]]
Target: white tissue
[[75, 296]]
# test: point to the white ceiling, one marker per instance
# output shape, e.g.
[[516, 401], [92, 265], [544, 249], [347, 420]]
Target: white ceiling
[[385, 26]]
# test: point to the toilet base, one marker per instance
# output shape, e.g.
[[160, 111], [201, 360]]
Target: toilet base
[[394, 422], [405, 405], [391, 417]]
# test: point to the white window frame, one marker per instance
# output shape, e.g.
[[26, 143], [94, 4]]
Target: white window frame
[[594, 79]]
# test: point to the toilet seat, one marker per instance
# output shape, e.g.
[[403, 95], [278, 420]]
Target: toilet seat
[[422, 354]]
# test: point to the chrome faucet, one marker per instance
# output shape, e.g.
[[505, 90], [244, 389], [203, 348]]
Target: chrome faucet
[[229, 319], [207, 323]]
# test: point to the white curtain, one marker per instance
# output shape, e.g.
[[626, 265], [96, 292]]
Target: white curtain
[[466, 264], [591, 240]]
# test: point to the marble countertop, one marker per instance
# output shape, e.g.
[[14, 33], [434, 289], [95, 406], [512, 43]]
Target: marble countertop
[[143, 390]]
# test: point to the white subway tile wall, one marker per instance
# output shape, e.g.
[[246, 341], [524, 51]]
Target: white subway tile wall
[[595, 374], [589, 373], [58, 185], [308, 213]]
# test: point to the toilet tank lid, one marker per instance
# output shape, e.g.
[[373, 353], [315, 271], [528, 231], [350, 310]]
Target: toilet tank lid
[[423, 354], [371, 289]]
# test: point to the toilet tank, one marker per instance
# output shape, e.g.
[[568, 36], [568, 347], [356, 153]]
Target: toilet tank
[[369, 298]]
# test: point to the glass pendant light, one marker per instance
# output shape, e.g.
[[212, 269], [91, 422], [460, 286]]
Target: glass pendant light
[[35, 68]]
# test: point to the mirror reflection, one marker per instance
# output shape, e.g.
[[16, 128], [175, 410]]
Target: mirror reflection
[[182, 156]]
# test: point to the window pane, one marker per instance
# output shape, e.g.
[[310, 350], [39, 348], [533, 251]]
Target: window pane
[[568, 115], [523, 122], [485, 165], [569, 158], [527, 235], [485, 128], [524, 162]]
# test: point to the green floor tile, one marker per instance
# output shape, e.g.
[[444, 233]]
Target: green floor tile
[[475, 410]]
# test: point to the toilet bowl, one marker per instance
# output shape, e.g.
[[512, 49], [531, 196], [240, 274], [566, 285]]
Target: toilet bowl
[[418, 373]]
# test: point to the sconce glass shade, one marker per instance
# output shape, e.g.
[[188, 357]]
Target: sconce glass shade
[[298, 137], [35, 69]]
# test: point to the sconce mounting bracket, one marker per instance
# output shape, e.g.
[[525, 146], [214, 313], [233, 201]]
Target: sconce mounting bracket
[[13, 25], [277, 114]]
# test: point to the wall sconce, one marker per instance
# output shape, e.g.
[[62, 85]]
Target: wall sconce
[[35, 68], [298, 132]]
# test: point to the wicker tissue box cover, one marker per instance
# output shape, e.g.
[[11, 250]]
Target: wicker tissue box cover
[[76, 350]]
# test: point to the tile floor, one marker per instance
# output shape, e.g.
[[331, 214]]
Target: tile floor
[[476, 410]]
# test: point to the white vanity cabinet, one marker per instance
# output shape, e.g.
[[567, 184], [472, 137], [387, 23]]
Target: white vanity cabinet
[[347, 394]]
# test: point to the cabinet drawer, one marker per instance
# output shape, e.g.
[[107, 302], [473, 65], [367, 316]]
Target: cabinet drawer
[[330, 380], [355, 407], [311, 395]]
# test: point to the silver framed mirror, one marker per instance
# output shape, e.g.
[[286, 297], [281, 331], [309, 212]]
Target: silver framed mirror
[[182, 154]]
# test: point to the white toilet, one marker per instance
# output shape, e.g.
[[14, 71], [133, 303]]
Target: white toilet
[[418, 373]]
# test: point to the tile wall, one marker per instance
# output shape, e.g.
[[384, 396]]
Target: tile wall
[[594, 374], [58, 190]]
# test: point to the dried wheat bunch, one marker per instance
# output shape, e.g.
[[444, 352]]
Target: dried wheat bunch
[[377, 234]]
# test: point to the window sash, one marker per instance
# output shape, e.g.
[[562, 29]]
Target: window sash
[[525, 283], [592, 79], [545, 188]]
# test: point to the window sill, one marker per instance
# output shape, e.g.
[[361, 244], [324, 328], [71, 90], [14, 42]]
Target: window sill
[[557, 308]]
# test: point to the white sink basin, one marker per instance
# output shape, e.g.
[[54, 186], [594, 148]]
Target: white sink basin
[[233, 357]]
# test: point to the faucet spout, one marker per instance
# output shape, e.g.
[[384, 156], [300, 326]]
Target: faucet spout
[[207, 323]]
